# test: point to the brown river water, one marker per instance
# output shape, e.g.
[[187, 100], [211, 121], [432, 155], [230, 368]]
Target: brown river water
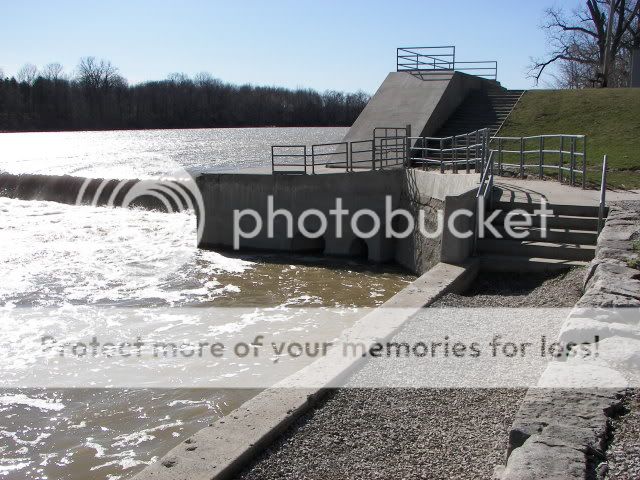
[[63, 258]]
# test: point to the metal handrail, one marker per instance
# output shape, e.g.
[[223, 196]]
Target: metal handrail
[[487, 174], [442, 58], [334, 153], [289, 165], [603, 195], [467, 149], [577, 149], [484, 194], [383, 150]]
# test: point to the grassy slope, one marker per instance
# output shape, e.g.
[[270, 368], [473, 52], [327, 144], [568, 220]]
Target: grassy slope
[[609, 117]]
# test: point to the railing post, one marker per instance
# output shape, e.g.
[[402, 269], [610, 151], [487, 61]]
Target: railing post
[[500, 156], [273, 167], [603, 193], [584, 162], [467, 142], [407, 140], [560, 171], [521, 157], [350, 155], [477, 162], [541, 172], [373, 154], [487, 146], [572, 161], [441, 156], [455, 153], [313, 159], [305, 159]]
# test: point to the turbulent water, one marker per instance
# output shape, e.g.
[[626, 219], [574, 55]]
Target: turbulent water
[[66, 258]]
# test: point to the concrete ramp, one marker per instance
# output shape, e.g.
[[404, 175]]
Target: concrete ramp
[[423, 101]]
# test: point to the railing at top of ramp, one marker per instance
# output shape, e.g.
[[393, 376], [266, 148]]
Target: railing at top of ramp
[[442, 58]]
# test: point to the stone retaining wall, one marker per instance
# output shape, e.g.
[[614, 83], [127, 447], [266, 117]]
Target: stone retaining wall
[[565, 432]]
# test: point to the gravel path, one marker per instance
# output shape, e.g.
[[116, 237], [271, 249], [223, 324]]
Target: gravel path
[[623, 455], [414, 432], [518, 291]]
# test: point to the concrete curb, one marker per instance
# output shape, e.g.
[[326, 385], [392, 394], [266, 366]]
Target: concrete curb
[[221, 450]]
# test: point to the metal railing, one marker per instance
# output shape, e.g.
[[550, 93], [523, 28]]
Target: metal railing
[[336, 154], [562, 154], [484, 196], [425, 58], [442, 58], [388, 148], [603, 195], [390, 145], [467, 150], [291, 159]]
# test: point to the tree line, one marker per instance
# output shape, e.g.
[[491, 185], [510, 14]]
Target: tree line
[[97, 97]]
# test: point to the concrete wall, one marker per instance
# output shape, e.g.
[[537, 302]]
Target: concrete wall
[[413, 190], [223, 193], [425, 102]]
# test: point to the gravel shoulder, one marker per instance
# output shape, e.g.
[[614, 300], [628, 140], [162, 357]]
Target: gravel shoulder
[[415, 432], [623, 455]]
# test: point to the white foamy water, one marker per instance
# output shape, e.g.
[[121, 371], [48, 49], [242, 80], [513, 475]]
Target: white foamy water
[[65, 259], [61, 254]]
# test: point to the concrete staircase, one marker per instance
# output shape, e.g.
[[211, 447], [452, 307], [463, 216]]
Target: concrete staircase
[[481, 109], [570, 240]]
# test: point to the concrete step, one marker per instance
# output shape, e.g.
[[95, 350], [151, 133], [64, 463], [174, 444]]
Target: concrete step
[[557, 221], [505, 263], [555, 235], [510, 94], [481, 109], [527, 248], [558, 209]]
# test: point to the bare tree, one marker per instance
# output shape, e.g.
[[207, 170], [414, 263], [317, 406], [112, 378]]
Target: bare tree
[[98, 74], [592, 45], [204, 79], [53, 71], [27, 73], [178, 78]]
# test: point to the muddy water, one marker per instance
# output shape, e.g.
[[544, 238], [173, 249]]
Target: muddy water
[[64, 257]]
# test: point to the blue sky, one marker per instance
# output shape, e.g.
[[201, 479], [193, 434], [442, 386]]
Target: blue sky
[[324, 44]]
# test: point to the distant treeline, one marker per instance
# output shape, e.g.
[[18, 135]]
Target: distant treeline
[[96, 98]]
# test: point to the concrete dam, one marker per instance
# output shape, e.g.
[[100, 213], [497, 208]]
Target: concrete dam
[[358, 172], [428, 142]]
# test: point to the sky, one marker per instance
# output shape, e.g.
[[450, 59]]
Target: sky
[[346, 45]]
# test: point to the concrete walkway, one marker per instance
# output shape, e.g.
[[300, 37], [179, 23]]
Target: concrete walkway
[[532, 191], [512, 189]]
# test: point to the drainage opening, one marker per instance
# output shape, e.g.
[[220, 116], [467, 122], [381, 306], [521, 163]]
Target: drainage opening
[[359, 249]]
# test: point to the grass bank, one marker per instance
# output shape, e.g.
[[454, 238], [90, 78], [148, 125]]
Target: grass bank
[[610, 118]]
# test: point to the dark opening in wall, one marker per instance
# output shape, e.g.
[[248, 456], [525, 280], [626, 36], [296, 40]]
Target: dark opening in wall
[[302, 244], [359, 249]]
